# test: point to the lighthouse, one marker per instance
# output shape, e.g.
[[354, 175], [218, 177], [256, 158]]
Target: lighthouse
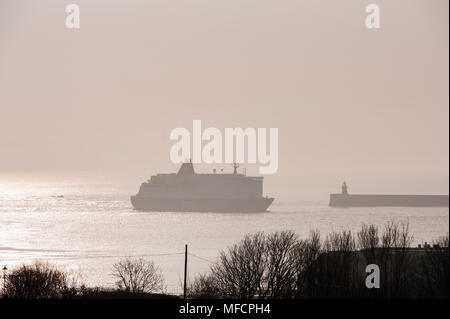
[[344, 188]]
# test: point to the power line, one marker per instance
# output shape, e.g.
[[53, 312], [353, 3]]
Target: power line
[[123, 256], [202, 258], [168, 254]]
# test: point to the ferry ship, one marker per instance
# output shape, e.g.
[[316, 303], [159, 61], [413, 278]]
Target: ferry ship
[[188, 191]]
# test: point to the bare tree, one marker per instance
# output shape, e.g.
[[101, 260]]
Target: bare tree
[[368, 242], [138, 276], [239, 271], [394, 259], [260, 266], [203, 286], [337, 267], [281, 266], [435, 266], [39, 281], [307, 253], [368, 237], [396, 235]]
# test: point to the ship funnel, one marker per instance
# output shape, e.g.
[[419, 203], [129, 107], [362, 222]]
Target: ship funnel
[[186, 169]]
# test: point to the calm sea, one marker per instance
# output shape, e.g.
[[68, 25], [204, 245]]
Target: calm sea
[[93, 225]]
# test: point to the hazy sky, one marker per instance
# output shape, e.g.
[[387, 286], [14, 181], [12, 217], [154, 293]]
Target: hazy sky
[[348, 101]]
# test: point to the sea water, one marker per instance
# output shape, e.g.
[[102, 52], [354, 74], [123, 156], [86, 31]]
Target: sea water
[[85, 225]]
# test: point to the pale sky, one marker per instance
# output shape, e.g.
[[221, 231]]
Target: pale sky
[[349, 102]]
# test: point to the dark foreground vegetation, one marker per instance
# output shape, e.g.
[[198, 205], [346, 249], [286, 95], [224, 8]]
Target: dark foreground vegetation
[[276, 265], [280, 265]]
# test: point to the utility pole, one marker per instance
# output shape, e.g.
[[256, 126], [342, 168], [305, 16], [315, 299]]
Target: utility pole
[[185, 269]]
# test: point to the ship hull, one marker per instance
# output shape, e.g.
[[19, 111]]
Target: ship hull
[[243, 205], [363, 200]]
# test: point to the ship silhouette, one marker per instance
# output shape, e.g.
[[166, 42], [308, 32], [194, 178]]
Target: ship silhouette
[[188, 191]]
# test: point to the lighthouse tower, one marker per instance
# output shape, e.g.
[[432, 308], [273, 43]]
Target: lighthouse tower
[[344, 188]]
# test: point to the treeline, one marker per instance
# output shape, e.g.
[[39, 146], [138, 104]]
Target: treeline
[[135, 278], [275, 265], [280, 265]]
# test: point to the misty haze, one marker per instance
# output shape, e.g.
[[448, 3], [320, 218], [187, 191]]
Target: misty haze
[[87, 183]]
